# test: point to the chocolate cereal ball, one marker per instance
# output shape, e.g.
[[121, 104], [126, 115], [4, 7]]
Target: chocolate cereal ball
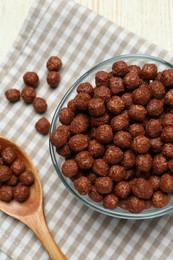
[[65, 151], [116, 85], [153, 128], [137, 112], [79, 124], [85, 87], [40, 105], [8, 154], [156, 145], [143, 162], [12, 181], [18, 166], [122, 189], [60, 136], [155, 182], [95, 195], [96, 107], [54, 63], [160, 164], [117, 173], [134, 68], [102, 92], [104, 134], [136, 129], [167, 119], [159, 199], [96, 149], [157, 89], [167, 134], [84, 160], [155, 108], [135, 205], [119, 68], [142, 189], [149, 71], [167, 77], [141, 144], [6, 193], [127, 98], [129, 159], [119, 123], [122, 139], [42, 126], [167, 151], [141, 95], [116, 105], [31, 79], [27, 177], [78, 142], [28, 94], [82, 185], [66, 115], [21, 192], [170, 166], [113, 155], [104, 185], [53, 78], [100, 167], [102, 78], [5, 173], [81, 101], [131, 80], [110, 201], [166, 183], [100, 120], [168, 100], [12, 95], [69, 168]]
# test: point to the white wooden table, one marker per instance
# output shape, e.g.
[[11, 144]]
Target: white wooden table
[[150, 19]]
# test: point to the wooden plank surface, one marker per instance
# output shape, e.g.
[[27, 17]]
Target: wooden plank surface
[[150, 19]]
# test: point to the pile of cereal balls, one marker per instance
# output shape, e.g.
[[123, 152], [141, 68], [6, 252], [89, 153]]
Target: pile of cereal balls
[[117, 137], [28, 92], [15, 176]]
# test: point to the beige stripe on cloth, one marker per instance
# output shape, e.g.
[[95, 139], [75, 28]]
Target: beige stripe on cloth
[[82, 39]]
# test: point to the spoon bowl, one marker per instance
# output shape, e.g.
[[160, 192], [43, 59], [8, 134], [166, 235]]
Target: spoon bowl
[[31, 211]]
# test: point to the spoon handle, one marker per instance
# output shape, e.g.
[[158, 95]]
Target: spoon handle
[[39, 226]]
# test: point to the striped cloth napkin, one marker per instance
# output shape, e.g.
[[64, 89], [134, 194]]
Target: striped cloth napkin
[[82, 39]]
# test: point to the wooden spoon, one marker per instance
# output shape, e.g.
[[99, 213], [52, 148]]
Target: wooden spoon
[[31, 211]]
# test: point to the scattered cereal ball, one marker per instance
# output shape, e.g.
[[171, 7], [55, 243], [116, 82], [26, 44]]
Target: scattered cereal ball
[[160, 164], [149, 71], [104, 134], [116, 85], [113, 155], [60, 136], [116, 105], [42, 126], [100, 167], [136, 129], [31, 79], [141, 95], [82, 185], [119, 122], [155, 108], [142, 189], [131, 80], [102, 78], [141, 144], [70, 168], [85, 87], [95, 195], [135, 205], [54, 63], [166, 183], [104, 185], [28, 94], [26, 178], [6, 193], [96, 107], [102, 92], [96, 149], [167, 77], [153, 128], [122, 189], [167, 134], [110, 201], [157, 89], [21, 192], [119, 68], [137, 112], [143, 162], [13, 95], [53, 78], [8, 154], [84, 160], [18, 166], [79, 142], [5, 173], [168, 100], [159, 199], [40, 105]]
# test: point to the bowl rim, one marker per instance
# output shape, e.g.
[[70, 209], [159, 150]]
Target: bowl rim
[[93, 205]]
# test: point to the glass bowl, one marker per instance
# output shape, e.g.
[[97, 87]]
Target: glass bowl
[[58, 160]]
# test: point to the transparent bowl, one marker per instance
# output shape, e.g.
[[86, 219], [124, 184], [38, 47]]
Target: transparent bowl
[[58, 160]]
